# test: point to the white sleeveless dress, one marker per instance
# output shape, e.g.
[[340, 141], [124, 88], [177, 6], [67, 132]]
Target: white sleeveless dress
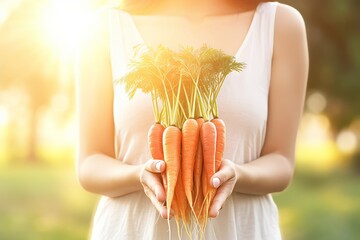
[[243, 105]]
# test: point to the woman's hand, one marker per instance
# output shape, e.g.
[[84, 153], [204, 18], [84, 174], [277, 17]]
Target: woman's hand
[[224, 180], [150, 178]]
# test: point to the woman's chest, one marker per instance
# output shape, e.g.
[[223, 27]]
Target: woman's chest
[[225, 32]]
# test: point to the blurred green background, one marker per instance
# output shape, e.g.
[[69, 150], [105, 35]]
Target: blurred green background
[[39, 195]]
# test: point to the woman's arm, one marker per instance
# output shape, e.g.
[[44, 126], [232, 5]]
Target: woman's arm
[[273, 171], [97, 169]]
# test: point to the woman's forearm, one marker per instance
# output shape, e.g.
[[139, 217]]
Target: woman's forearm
[[267, 174], [104, 175], [101, 174]]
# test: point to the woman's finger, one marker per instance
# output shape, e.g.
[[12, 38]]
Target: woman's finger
[[158, 205], [153, 182], [222, 194], [223, 175], [224, 180], [155, 166]]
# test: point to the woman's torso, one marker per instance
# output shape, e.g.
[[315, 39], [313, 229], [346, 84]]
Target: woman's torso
[[243, 105]]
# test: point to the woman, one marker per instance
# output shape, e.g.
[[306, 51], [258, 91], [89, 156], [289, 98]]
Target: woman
[[261, 107]]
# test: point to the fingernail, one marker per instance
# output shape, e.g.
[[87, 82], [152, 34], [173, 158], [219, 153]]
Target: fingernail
[[216, 182], [217, 213], [158, 166]]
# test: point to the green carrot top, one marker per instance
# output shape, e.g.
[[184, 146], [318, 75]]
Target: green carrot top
[[186, 82]]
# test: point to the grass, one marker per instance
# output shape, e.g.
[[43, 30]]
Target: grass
[[43, 203], [321, 207], [48, 203]]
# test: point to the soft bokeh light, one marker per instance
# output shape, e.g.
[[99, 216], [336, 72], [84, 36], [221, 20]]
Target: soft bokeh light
[[347, 141], [316, 102], [60, 103], [16, 103], [316, 149]]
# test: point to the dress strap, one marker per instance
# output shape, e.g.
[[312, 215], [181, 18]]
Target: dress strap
[[262, 40], [267, 14]]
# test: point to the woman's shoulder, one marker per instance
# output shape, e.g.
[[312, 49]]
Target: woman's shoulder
[[289, 30], [290, 37], [289, 20]]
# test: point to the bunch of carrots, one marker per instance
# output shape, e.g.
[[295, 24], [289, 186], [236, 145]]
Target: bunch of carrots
[[188, 133]]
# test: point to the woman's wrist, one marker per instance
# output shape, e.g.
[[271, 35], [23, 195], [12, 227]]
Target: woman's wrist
[[240, 178], [247, 179], [132, 174], [267, 174]]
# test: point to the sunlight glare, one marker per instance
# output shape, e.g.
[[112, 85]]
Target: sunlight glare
[[64, 22], [6, 8], [4, 116]]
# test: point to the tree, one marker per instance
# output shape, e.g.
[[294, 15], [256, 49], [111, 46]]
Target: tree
[[27, 62]]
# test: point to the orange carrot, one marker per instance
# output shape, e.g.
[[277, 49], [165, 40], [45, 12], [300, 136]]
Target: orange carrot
[[181, 197], [155, 135], [182, 204], [172, 151], [220, 141], [198, 164], [155, 140], [208, 141], [204, 183], [205, 204], [177, 214], [199, 210], [190, 139]]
